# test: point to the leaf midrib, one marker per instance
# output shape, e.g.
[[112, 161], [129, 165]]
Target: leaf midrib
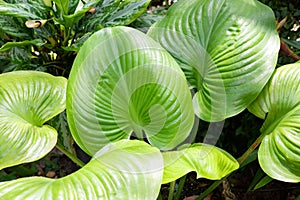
[[273, 126], [18, 118]]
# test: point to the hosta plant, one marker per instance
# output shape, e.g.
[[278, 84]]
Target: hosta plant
[[126, 85], [279, 105], [141, 70], [227, 50], [122, 170], [28, 99]]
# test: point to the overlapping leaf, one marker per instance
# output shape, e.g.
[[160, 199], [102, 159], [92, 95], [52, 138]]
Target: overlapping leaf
[[30, 9], [114, 13], [27, 100], [7, 46], [279, 105], [123, 83], [14, 27], [227, 49], [208, 161], [123, 170]]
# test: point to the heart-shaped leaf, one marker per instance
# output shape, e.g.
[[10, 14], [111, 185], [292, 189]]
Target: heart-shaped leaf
[[227, 49], [208, 161], [123, 82], [123, 170], [279, 105], [28, 99]]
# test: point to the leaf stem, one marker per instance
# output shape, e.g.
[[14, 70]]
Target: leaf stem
[[67, 34], [211, 188], [70, 155], [240, 160], [159, 197], [180, 187], [251, 149], [192, 139], [172, 189]]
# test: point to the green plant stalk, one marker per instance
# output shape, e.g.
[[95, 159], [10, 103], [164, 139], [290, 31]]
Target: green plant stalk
[[172, 189], [70, 155], [180, 187], [54, 64], [210, 189], [167, 3], [193, 134], [251, 149], [67, 34], [159, 197], [240, 160]]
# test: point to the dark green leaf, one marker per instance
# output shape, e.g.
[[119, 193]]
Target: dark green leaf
[[257, 177], [72, 6], [145, 21], [19, 55], [78, 43], [295, 44], [114, 13], [7, 46], [62, 6], [69, 20], [30, 10], [264, 181], [14, 27], [64, 136], [127, 12]]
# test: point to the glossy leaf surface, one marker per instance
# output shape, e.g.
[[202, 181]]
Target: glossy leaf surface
[[279, 105], [28, 99], [122, 170], [227, 49], [14, 27], [207, 161], [30, 9], [7, 46], [62, 6], [114, 13], [123, 82]]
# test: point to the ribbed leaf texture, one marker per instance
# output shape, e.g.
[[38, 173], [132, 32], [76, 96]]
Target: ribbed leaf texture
[[28, 99], [123, 170], [227, 49], [279, 105], [123, 83], [207, 161]]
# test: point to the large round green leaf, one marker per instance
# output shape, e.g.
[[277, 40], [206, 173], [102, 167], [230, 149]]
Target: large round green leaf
[[123, 82], [27, 100], [207, 161], [227, 49], [279, 105], [123, 170]]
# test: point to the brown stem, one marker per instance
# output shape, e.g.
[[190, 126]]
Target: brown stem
[[284, 48], [251, 149]]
